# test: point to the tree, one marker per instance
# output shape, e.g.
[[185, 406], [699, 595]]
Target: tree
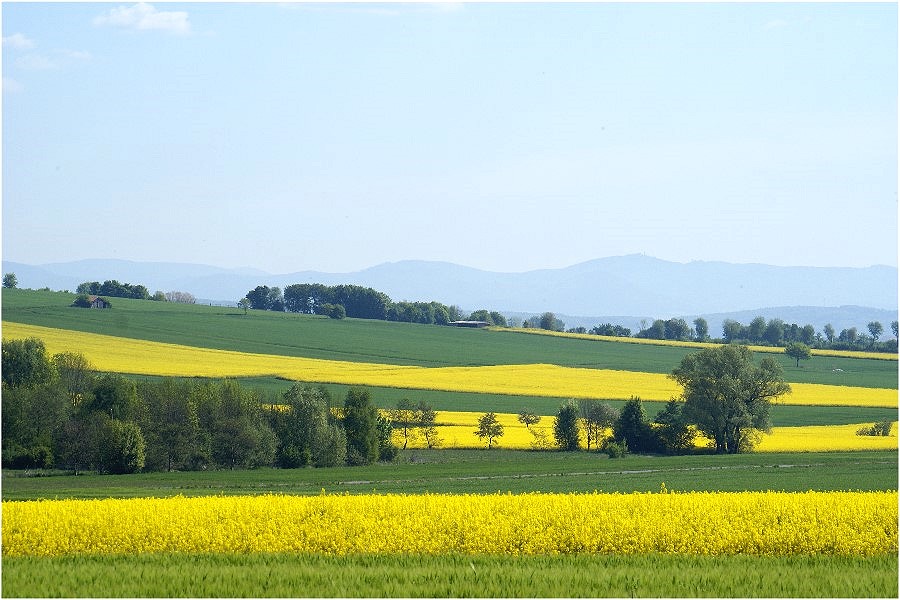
[[528, 418], [239, 434], [489, 427], [774, 333], [9, 281], [172, 432], [756, 329], [549, 322], [275, 300], [244, 303], [798, 350], [875, 330], [25, 363], [121, 448], [425, 418], [259, 297], [828, 330], [632, 428], [732, 330], [75, 373], [677, 329], [701, 329], [597, 417], [361, 426], [728, 397], [672, 431], [895, 326], [334, 311], [114, 396], [565, 426], [403, 419]]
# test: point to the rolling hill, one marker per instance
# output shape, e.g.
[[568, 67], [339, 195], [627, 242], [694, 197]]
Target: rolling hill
[[631, 287]]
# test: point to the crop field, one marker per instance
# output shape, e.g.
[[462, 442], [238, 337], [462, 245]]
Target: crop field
[[693, 523], [124, 355], [813, 512], [380, 342], [796, 534]]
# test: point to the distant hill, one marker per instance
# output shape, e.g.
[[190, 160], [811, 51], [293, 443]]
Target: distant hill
[[634, 287]]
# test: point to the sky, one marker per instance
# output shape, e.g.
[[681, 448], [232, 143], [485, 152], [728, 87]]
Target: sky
[[505, 137]]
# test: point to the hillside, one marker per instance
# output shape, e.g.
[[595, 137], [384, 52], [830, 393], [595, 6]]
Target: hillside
[[633, 287], [287, 334]]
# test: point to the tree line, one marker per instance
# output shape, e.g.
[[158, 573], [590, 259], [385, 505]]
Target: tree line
[[58, 412], [760, 332], [339, 301]]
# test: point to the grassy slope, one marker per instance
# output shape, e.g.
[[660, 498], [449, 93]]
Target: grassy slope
[[383, 342]]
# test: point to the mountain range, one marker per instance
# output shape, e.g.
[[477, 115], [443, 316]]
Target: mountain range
[[634, 287]]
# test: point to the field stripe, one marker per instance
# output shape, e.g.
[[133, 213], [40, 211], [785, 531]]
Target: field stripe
[[141, 357], [695, 345]]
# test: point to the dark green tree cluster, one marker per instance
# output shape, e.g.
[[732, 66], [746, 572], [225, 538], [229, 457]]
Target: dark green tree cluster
[[610, 330], [492, 317], [776, 332], [726, 397], [547, 320], [114, 289], [57, 412], [592, 420], [671, 329], [354, 301]]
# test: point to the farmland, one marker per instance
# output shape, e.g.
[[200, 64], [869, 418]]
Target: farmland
[[464, 373]]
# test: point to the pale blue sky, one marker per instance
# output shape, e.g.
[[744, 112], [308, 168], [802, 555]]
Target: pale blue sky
[[506, 137]]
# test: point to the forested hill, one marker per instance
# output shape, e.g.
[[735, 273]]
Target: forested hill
[[634, 285]]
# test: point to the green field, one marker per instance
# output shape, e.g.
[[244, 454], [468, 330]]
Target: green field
[[492, 471], [287, 576], [360, 340]]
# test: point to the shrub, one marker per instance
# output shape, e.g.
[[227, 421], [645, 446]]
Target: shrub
[[882, 428], [616, 449]]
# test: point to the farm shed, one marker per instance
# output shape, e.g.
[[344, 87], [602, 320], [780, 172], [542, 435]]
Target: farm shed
[[469, 323], [98, 302], [91, 301]]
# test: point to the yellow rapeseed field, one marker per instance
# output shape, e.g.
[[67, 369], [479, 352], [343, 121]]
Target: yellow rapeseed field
[[457, 430], [124, 355], [749, 523], [698, 345]]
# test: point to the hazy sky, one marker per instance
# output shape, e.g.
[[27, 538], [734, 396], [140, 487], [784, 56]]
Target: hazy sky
[[500, 136]]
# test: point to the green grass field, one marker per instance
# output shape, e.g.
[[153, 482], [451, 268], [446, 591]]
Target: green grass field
[[492, 471], [384, 342], [598, 576]]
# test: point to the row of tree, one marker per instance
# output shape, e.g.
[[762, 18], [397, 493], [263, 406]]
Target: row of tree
[[57, 412], [759, 331], [355, 301]]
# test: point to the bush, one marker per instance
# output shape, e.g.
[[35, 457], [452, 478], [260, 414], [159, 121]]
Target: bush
[[616, 449], [882, 428]]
